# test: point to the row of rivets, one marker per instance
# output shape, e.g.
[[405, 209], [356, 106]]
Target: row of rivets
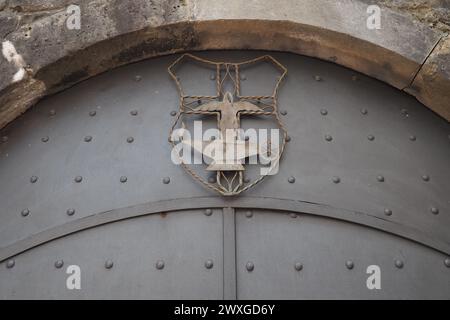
[[209, 264], [88, 139], [336, 179], [79, 179]]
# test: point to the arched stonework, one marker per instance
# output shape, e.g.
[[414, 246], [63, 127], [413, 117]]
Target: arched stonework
[[47, 57]]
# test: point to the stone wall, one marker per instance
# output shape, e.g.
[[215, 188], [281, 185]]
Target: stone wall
[[42, 56]]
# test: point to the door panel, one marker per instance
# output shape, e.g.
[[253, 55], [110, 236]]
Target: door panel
[[275, 241], [184, 241]]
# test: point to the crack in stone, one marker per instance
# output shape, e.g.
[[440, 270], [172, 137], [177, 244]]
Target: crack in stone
[[425, 60]]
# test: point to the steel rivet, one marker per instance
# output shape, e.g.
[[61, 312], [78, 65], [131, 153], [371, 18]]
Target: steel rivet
[[354, 78], [250, 266], [166, 180], [336, 179], [159, 264], [33, 179], [4, 139], [88, 139], [137, 78], [10, 263], [370, 137], [447, 262], [212, 77], [52, 112], [243, 77], [130, 139], [388, 212], [412, 138], [425, 177], [78, 179], [212, 180], [328, 137], [434, 210], [133, 112], [25, 212], [404, 112], [249, 214], [208, 212], [349, 264], [92, 113], [364, 111], [288, 139], [399, 264], [70, 212], [173, 113], [246, 180], [298, 266], [318, 78], [44, 139], [293, 215], [59, 264], [109, 264], [291, 179], [380, 178], [209, 264], [123, 179], [283, 112], [324, 112]]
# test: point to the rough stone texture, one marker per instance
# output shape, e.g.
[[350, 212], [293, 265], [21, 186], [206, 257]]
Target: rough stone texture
[[432, 85], [436, 13], [117, 32]]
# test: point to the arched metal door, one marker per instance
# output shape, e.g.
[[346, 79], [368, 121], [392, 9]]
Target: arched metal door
[[87, 180]]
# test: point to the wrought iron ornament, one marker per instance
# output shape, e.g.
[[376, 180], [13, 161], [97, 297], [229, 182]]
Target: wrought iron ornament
[[228, 107]]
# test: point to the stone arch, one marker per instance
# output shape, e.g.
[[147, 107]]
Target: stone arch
[[42, 56]]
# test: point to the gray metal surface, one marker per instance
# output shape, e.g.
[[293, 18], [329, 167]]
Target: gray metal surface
[[78, 163], [334, 258], [183, 241]]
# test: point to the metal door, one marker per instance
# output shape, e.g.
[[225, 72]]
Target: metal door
[[87, 180]]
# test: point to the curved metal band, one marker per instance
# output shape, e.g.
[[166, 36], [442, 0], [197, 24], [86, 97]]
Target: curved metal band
[[219, 202]]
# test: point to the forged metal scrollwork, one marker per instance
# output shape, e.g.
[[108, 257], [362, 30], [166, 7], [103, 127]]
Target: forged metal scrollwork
[[228, 106]]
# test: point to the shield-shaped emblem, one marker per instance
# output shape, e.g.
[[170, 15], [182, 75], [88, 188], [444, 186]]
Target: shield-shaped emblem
[[227, 139]]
